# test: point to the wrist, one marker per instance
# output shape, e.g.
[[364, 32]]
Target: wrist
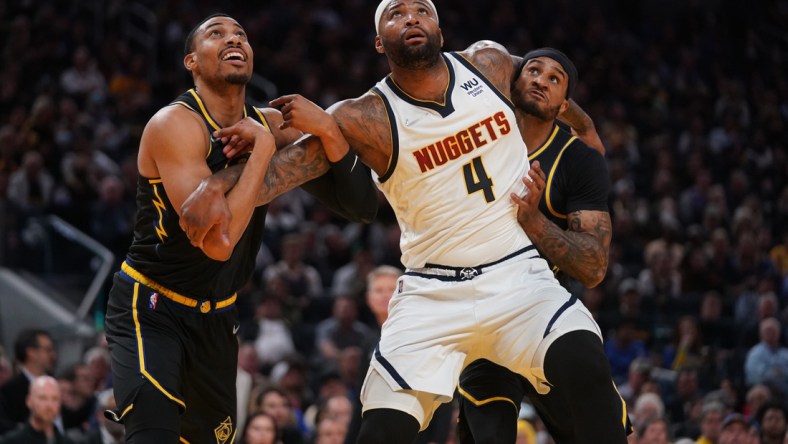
[[334, 144]]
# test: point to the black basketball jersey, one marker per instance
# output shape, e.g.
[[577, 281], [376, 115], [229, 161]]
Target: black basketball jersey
[[160, 249], [577, 177]]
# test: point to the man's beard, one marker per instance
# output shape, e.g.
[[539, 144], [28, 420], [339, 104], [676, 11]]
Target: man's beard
[[414, 57], [237, 79], [532, 108]]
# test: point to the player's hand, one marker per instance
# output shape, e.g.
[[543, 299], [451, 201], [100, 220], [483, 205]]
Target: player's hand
[[300, 113], [243, 135], [203, 211], [528, 204]]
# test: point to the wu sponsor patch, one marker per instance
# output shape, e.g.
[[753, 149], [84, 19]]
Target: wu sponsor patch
[[224, 431], [153, 301]]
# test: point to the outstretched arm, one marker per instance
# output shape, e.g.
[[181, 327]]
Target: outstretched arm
[[337, 179]]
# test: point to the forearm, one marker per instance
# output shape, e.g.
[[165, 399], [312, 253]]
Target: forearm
[[580, 255], [583, 125], [241, 197], [347, 189], [292, 166]]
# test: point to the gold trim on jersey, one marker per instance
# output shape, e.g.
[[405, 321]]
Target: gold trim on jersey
[[623, 406], [141, 350], [204, 306], [158, 203], [478, 403], [550, 180], [118, 418], [183, 440], [261, 116], [181, 102], [203, 110], [544, 145]]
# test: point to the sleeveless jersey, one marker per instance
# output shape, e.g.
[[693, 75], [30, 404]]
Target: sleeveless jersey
[[577, 178], [161, 251], [452, 168]]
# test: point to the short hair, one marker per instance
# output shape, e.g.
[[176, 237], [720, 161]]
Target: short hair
[[188, 46], [27, 339], [383, 270]]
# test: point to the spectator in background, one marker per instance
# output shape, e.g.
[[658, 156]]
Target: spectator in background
[[36, 356], [272, 401], [106, 431], [622, 348], [78, 408], [767, 361], [274, 340], [30, 187], [98, 361], [648, 406], [772, 420], [83, 78], [711, 417], [43, 403], [654, 431], [112, 217], [340, 331], [736, 430], [302, 279], [260, 429]]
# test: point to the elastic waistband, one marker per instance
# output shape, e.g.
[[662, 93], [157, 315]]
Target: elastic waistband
[[449, 273], [203, 306]]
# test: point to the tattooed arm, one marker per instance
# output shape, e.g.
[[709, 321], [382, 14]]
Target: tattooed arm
[[344, 187], [581, 251]]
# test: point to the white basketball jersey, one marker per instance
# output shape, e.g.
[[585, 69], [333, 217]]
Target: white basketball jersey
[[452, 169]]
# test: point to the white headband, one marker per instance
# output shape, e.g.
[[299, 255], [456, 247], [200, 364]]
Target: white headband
[[382, 7]]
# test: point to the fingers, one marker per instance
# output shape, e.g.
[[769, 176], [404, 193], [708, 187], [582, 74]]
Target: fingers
[[282, 100]]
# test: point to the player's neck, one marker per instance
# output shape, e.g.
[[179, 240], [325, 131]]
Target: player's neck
[[427, 84], [535, 131], [226, 106]]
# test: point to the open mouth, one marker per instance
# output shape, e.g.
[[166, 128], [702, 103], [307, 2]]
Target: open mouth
[[414, 34], [234, 55]]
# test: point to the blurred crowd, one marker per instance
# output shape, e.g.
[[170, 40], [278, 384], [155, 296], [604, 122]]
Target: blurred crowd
[[689, 97]]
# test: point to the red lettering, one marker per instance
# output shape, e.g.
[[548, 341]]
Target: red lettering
[[439, 154], [488, 123], [464, 141], [503, 124], [423, 159], [452, 149], [477, 136]]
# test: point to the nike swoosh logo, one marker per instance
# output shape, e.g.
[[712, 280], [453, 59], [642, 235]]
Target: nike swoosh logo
[[354, 164], [236, 327], [213, 140]]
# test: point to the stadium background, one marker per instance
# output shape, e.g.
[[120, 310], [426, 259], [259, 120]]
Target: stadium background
[[690, 99]]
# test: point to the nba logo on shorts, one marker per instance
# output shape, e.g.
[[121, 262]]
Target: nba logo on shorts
[[153, 301]]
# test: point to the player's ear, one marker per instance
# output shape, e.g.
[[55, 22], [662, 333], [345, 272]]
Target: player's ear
[[188, 61], [563, 107], [441, 33], [379, 45]]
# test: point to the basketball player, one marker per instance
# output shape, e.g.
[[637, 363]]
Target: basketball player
[[440, 135], [571, 228], [171, 320]]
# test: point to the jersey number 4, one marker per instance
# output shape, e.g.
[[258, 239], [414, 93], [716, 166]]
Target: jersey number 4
[[476, 179]]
